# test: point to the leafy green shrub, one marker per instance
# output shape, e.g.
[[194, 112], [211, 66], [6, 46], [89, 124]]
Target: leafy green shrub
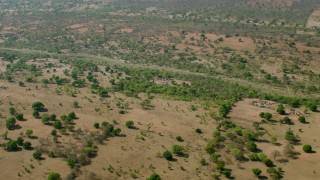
[[265, 115], [10, 123], [168, 155], [237, 153], [176, 149], [226, 172], [53, 117], [36, 114], [45, 118], [291, 137], [12, 111], [57, 124], [71, 162], [254, 157], [262, 156], [286, 120], [203, 162], [154, 176], [20, 141], [251, 146], [96, 125], [21, 84], [116, 132], [11, 146], [220, 165], [307, 148], [37, 155], [268, 162], [51, 154], [26, 145], [281, 109], [302, 119], [214, 157], [256, 171], [53, 132], [313, 107], [198, 130], [54, 176], [38, 106], [29, 132], [19, 116], [130, 124], [179, 138], [72, 115]]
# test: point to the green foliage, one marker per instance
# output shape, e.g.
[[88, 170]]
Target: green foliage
[[220, 165], [290, 136], [215, 157], [295, 103], [19, 141], [71, 162], [265, 115], [168, 155], [203, 162], [275, 173], [21, 84], [286, 120], [268, 162], [262, 156], [179, 138], [45, 118], [38, 106], [29, 132], [198, 130], [154, 176], [251, 146], [130, 124], [36, 114], [307, 148], [302, 119], [53, 117], [237, 153], [226, 172], [281, 109], [224, 110], [254, 157], [57, 124], [37, 155], [72, 115], [176, 149], [53, 132], [12, 111], [54, 176], [11, 145], [10, 123], [116, 132], [256, 171], [19, 116], [26, 145], [313, 107], [51, 154], [96, 125]]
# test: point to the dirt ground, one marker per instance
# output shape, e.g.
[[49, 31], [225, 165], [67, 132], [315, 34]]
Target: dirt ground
[[305, 166], [314, 19], [138, 150]]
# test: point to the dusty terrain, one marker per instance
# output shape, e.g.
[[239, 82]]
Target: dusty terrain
[[305, 166], [136, 151]]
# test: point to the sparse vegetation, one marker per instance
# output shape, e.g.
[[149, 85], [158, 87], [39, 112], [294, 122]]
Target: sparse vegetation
[[178, 69]]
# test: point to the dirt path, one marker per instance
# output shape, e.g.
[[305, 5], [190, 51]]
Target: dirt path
[[314, 19]]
